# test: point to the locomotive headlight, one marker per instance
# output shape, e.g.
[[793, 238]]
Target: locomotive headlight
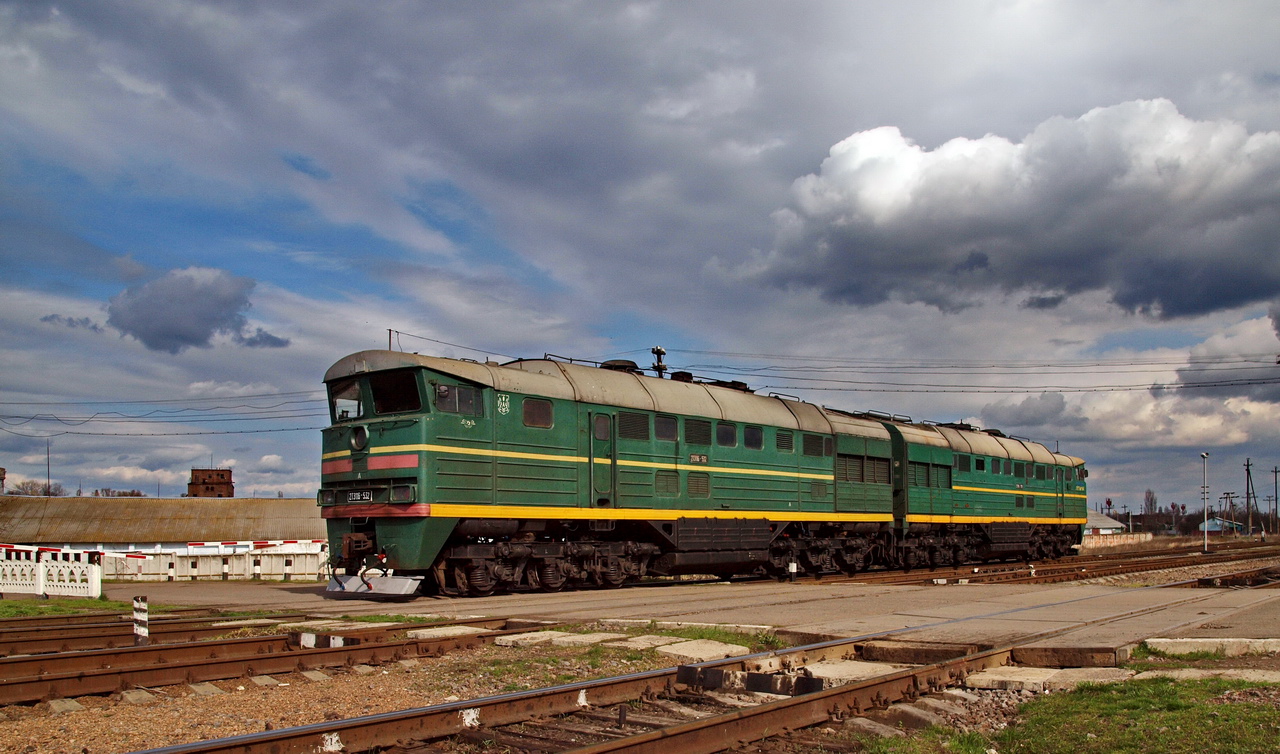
[[359, 438], [402, 493], [328, 497]]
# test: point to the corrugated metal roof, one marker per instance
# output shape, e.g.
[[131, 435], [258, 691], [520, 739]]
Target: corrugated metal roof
[[1098, 521], [1014, 448], [923, 434], [852, 425], [99, 520]]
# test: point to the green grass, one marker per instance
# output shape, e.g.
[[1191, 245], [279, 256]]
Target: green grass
[[1145, 658], [25, 608], [928, 741], [761, 641], [1157, 715], [1143, 716]]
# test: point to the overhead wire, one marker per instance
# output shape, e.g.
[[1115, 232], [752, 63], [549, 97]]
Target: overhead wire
[[817, 373]]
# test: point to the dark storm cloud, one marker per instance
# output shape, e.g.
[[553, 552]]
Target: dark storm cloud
[[1044, 411], [187, 308], [1171, 216], [73, 322]]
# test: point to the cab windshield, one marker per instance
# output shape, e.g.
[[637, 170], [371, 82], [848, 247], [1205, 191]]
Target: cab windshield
[[395, 392]]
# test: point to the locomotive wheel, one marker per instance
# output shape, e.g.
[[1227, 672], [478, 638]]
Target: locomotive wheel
[[550, 577], [613, 575], [480, 582], [852, 562]]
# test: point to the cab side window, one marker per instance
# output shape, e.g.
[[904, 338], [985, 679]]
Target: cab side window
[[345, 400], [537, 412], [459, 399]]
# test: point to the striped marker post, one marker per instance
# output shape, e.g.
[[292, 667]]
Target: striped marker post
[[141, 622]]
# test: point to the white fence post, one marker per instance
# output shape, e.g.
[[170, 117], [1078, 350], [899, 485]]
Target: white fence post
[[40, 575], [141, 622]]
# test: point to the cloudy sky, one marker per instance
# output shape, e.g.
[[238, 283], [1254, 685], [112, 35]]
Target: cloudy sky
[[1057, 219]]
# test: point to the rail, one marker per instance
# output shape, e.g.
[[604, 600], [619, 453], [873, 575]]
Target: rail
[[378, 732]]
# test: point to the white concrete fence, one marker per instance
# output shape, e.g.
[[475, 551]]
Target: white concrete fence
[[68, 572], [50, 571], [238, 566]]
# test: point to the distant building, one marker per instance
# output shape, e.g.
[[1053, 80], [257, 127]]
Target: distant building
[[211, 483], [1100, 524], [1222, 526]]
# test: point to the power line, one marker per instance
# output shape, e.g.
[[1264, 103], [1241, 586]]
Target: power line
[[939, 388], [164, 434], [1255, 358], [124, 401], [398, 333]]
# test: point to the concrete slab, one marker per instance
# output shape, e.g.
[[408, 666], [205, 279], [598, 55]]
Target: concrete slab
[[1192, 674], [529, 639], [1225, 647], [1010, 679], [915, 652], [701, 650], [137, 696], [1257, 620], [1067, 655], [1111, 644], [408, 664], [840, 672], [264, 680], [584, 640], [315, 675], [960, 695], [363, 669], [939, 706], [880, 730], [444, 632], [205, 689], [910, 716], [1068, 678], [645, 641], [61, 706]]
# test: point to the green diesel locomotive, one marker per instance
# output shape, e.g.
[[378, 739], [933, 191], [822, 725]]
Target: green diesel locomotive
[[463, 478]]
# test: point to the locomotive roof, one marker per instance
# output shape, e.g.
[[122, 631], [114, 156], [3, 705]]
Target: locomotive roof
[[557, 379], [996, 446]]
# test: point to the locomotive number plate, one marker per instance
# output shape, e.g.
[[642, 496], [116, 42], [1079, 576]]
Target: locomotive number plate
[[697, 458], [360, 496]]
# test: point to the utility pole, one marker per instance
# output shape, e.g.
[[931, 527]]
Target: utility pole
[[1229, 507], [1249, 495], [1275, 497], [1204, 498]]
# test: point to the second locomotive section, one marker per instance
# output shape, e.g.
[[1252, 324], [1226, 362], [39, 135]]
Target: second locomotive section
[[468, 478]]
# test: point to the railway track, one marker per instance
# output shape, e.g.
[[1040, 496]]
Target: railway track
[[1064, 569], [61, 673], [703, 707], [32, 637]]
